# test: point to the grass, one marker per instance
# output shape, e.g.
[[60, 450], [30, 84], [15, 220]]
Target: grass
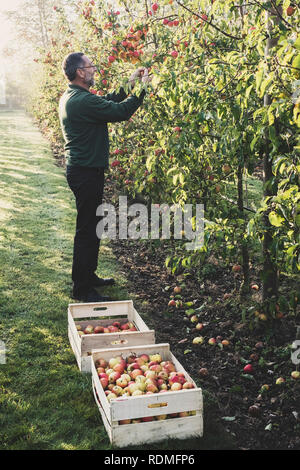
[[45, 402]]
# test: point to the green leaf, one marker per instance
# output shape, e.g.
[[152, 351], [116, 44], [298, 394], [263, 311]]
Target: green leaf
[[296, 62], [247, 376], [228, 418], [187, 351], [189, 311], [275, 219]]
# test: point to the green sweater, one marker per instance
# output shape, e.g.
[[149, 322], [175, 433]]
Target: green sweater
[[84, 116]]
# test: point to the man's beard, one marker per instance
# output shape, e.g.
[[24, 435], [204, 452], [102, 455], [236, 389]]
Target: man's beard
[[89, 81]]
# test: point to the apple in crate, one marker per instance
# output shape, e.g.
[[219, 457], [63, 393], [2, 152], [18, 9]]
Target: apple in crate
[[99, 329], [89, 329]]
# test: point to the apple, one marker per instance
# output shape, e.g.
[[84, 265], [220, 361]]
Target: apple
[[80, 333], [89, 329], [225, 342], [156, 368], [125, 326], [236, 268], [106, 330], [248, 369], [175, 387], [136, 421], [133, 387], [126, 377], [172, 303], [163, 387], [131, 359], [125, 421], [174, 54], [137, 392], [188, 385], [161, 417], [133, 328], [144, 357], [133, 374], [101, 363], [113, 361], [98, 329], [295, 374], [78, 327], [151, 387], [113, 329], [254, 287], [198, 340], [147, 418], [117, 390], [199, 326], [150, 374], [290, 10], [226, 169], [122, 382], [194, 319], [254, 410], [114, 376], [100, 370], [132, 366], [119, 368], [144, 367], [183, 414], [264, 388], [140, 361], [163, 375], [155, 358], [104, 382], [111, 396], [177, 289], [169, 367], [280, 381], [212, 341], [263, 317], [117, 324], [203, 372]]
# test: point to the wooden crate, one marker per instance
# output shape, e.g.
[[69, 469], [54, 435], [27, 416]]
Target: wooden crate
[[148, 405], [106, 313]]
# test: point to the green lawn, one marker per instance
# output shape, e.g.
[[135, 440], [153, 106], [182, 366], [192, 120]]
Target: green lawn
[[45, 402]]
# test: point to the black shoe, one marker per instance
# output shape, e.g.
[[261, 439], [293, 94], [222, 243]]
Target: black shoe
[[91, 296], [101, 282]]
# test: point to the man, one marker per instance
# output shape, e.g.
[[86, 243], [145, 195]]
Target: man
[[83, 118]]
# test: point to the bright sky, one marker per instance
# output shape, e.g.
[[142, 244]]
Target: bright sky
[[4, 26]]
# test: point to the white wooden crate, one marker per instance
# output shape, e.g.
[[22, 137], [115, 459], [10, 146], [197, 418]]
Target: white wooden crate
[[112, 412], [106, 312]]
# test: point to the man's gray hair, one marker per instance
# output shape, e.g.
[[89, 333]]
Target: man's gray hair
[[71, 63]]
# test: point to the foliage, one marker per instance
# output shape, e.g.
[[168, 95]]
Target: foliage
[[204, 125]]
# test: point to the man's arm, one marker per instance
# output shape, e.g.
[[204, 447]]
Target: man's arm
[[95, 109], [115, 96], [121, 95]]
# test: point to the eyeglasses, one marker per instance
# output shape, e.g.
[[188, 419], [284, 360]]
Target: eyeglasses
[[88, 67]]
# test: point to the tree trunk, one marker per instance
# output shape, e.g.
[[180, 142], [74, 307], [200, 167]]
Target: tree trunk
[[270, 271], [245, 287]]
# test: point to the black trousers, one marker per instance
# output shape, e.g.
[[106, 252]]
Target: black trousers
[[87, 185]]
